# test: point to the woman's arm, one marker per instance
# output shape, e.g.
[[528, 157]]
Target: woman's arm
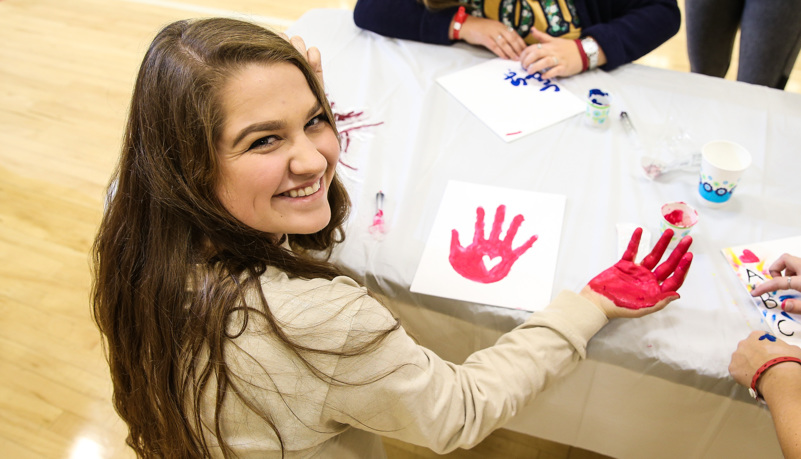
[[779, 385], [781, 389], [413, 395], [405, 19], [417, 397], [626, 30]]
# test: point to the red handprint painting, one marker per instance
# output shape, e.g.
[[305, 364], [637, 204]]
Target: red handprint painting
[[492, 245], [488, 260]]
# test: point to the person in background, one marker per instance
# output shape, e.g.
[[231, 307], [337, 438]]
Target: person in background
[[770, 38], [229, 333], [770, 367], [554, 37]]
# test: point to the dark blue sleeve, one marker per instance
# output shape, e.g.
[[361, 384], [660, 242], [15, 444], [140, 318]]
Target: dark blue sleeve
[[629, 29], [406, 19]]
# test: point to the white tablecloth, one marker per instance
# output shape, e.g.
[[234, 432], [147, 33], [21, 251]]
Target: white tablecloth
[[652, 387]]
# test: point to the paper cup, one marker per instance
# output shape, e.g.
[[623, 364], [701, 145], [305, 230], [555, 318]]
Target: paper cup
[[597, 113], [680, 217], [722, 165]]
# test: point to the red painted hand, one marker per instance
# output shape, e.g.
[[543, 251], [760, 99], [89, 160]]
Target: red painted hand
[[488, 260], [635, 286]]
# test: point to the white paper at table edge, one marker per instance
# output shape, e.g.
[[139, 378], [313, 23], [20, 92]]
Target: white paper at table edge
[[568, 97], [791, 245], [535, 302]]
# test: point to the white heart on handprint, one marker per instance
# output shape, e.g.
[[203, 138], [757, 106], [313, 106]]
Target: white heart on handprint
[[490, 263]]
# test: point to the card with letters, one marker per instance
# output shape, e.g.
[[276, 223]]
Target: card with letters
[[508, 100], [751, 263], [492, 245]]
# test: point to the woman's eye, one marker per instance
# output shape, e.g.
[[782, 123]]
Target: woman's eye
[[316, 120], [263, 142]]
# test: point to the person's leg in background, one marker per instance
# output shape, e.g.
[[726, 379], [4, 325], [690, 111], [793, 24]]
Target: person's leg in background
[[711, 28], [770, 38]]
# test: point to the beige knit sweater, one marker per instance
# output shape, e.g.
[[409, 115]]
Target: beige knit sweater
[[399, 390]]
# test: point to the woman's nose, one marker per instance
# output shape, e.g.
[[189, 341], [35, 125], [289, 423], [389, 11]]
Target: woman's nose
[[306, 159]]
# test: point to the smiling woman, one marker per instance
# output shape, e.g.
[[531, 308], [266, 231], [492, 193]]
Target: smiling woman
[[227, 331], [227, 122]]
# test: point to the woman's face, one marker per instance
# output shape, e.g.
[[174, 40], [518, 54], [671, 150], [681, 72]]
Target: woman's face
[[277, 152]]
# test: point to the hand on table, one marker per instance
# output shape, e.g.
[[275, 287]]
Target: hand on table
[[755, 350], [559, 56], [791, 279], [628, 289], [471, 261], [492, 35], [779, 384]]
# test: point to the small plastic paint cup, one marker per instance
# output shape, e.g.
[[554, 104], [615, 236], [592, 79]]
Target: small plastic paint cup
[[597, 112], [680, 217], [722, 165]]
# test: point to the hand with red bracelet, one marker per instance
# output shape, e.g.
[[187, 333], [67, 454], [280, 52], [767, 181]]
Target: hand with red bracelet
[[778, 384], [754, 351], [630, 289]]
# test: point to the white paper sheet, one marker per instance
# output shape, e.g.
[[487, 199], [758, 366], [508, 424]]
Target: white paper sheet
[[508, 100], [751, 263], [484, 269]]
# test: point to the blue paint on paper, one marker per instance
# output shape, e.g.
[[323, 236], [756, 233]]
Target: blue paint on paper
[[536, 76], [788, 316]]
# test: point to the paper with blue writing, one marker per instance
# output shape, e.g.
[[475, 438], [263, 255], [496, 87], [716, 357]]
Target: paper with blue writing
[[751, 263], [508, 100]]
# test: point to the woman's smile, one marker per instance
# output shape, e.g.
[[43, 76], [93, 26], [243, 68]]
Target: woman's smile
[[303, 191]]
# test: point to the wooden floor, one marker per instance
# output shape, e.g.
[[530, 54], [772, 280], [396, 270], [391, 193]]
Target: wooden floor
[[66, 72]]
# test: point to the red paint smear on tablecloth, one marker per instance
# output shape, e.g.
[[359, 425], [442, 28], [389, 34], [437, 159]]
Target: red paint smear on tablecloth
[[340, 119]]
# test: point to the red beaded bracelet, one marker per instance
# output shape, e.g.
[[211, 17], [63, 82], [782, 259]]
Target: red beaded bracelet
[[458, 21], [753, 390], [585, 61]]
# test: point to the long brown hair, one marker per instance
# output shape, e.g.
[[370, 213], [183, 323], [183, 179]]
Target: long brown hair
[[171, 264]]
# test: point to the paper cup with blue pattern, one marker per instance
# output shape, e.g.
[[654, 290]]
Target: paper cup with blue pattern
[[722, 164], [597, 112]]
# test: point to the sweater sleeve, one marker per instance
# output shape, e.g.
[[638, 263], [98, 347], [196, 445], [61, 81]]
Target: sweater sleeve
[[406, 19], [629, 29], [405, 391]]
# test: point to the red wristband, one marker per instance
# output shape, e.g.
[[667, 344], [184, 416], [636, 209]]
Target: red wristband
[[753, 390], [458, 21], [585, 62]]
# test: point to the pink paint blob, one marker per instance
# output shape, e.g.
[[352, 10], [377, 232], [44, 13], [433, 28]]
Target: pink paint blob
[[749, 257], [676, 217], [679, 214], [378, 223]]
